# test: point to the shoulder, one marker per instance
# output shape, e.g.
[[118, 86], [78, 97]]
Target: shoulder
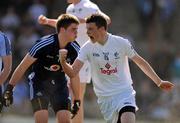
[[42, 43], [70, 6], [75, 44], [91, 5], [118, 39], [46, 40], [3, 38], [88, 45]]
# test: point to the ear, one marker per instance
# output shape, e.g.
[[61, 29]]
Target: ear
[[102, 28], [62, 29]]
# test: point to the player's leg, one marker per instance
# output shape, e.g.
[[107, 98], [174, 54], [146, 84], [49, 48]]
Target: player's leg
[[39, 101], [61, 105], [63, 116], [41, 116], [85, 77], [127, 115], [40, 108]]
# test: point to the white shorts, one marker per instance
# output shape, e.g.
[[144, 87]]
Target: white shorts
[[111, 105], [85, 73]]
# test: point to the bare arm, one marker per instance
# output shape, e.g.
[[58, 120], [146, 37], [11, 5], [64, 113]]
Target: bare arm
[[43, 20], [75, 86], [70, 70], [148, 70], [7, 62], [21, 69]]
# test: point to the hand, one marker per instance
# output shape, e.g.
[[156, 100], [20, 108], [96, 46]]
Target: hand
[[63, 55], [8, 96], [43, 20], [75, 108], [166, 85]]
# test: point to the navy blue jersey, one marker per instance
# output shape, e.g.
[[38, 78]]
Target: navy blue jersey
[[47, 67]]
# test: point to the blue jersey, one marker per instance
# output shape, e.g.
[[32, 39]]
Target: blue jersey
[[47, 67], [5, 47]]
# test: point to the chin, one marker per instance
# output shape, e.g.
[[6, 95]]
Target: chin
[[93, 41]]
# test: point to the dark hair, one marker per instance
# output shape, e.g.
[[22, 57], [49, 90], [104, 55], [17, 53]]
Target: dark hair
[[66, 20], [98, 19]]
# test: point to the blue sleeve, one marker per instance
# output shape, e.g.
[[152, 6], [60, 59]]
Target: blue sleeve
[[5, 45], [73, 51], [36, 49]]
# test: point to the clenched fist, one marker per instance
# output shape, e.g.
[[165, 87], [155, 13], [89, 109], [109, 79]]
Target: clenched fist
[[8, 95], [62, 55], [42, 20]]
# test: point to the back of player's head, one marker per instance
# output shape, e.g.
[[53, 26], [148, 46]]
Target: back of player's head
[[98, 19], [65, 20]]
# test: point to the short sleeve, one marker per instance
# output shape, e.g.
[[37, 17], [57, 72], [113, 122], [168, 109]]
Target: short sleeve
[[73, 51], [83, 53], [5, 45], [36, 49], [129, 50]]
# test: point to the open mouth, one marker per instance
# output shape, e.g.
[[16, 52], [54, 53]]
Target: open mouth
[[91, 37]]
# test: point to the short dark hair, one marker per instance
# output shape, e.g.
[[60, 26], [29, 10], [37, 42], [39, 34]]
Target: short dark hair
[[66, 20], [98, 19]]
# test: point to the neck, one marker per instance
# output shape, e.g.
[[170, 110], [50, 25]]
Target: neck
[[104, 39], [76, 2], [62, 41]]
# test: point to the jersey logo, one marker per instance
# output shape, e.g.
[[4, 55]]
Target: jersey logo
[[39, 94], [108, 71], [96, 54], [54, 67], [106, 55], [48, 56], [116, 54]]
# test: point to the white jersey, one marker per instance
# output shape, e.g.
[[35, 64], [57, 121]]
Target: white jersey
[[83, 9], [109, 64]]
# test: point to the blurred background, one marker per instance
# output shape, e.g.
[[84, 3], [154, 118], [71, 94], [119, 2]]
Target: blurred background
[[151, 25]]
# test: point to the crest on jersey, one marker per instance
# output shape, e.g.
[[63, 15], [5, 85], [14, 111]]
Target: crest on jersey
[[116, 54], [55, 67], [106, 56]]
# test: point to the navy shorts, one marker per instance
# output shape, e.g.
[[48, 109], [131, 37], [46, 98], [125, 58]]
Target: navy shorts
[[43, 96]]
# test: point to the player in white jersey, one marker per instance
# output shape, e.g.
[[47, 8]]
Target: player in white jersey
[[81, 9], [108, 57], [5, 61]]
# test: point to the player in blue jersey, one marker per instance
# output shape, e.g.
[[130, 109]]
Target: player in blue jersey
[[48, 84], [5, 61]]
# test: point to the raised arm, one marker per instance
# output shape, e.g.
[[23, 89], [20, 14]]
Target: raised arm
[[7, 65], [148, 70], [43, 20], [70, 70]]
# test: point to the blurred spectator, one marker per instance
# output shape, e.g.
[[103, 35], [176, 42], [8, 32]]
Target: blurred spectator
[[167, 10], [11, 19], [175, 72], [36, 9], [147, 10], [162, 60], [26, 39]]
